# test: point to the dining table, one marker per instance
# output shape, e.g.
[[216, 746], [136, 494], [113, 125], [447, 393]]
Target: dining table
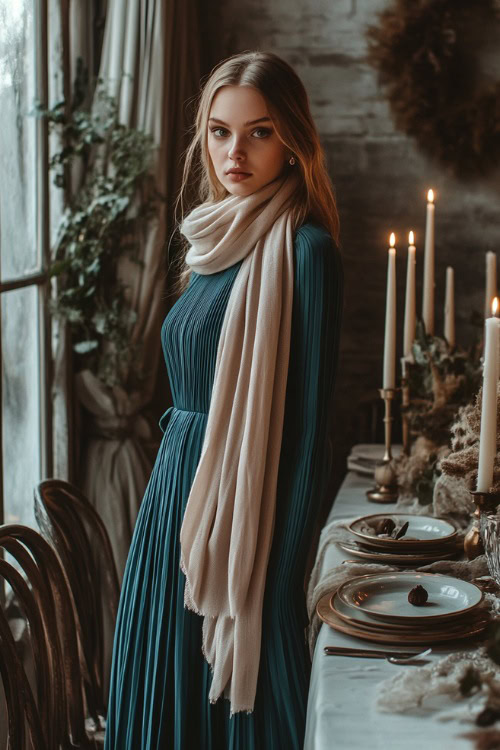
[[341, 710]]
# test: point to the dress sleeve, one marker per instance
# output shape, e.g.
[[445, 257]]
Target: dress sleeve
[[305, 461]]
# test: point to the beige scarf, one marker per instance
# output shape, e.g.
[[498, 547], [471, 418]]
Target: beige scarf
[[228, 523]]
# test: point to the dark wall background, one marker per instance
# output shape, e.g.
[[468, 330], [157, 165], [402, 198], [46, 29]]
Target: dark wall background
[[381, 181]]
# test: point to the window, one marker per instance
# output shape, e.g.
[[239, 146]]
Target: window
[[25, 444]]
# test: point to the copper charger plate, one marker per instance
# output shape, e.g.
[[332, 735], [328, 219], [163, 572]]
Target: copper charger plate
[[377, 554], [327, 615], [447, 628]]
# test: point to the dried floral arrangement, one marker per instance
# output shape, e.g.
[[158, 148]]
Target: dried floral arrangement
[[475, 680], [458, 476], [441, 380], [462, 462], [418, 473], [99, 228], [427, 53]]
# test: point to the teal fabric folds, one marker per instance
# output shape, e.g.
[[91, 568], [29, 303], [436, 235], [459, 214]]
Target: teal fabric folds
[[160, 680]]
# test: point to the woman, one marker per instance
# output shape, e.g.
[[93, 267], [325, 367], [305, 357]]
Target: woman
[[209, 647]]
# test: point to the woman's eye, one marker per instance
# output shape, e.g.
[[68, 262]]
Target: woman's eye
[[220, 132], [261, 132]]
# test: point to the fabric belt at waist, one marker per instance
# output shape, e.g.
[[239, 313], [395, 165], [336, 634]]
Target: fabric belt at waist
[[164, 419]]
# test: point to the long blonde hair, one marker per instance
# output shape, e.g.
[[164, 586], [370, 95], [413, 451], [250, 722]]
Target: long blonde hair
[[287, 100]]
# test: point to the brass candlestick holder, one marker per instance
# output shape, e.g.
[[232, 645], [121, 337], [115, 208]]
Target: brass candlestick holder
[[405, 402], [386, 489], [485, 502]]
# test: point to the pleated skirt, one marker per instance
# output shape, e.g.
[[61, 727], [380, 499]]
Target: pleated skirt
[[160, 680]]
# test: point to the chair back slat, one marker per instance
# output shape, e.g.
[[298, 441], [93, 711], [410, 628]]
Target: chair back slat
[[81, 586], [39, 643], [20, 684], [50, 592], [57, 490], [13, 698], [77, 533]]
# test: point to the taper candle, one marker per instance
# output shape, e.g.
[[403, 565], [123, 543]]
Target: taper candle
[[491, 282], [488, 434], [428, 290], [449, 307], [389, 380], [410, 299]]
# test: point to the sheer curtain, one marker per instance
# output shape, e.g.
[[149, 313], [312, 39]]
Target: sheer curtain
[[71, 32], [150, 63]]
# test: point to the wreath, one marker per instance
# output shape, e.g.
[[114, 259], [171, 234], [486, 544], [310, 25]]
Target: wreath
[[426, 53]]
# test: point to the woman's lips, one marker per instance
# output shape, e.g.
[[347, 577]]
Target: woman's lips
[[238, 176]]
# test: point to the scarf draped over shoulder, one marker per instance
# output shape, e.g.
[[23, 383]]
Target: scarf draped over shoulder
[[228, 523]]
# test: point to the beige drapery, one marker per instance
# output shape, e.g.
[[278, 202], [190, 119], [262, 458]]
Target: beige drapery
[[150, 65]]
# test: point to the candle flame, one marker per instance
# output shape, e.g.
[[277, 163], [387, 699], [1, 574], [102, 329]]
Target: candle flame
[[430, 196], [494, 307], [392, 239], [411, 239]]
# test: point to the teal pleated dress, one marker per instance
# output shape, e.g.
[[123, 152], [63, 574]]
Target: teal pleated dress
[[160, 680]]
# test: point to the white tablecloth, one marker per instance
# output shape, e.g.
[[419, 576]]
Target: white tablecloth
[[341, 711]]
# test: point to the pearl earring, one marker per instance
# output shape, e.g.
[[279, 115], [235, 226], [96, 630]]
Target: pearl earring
[[291, 161]]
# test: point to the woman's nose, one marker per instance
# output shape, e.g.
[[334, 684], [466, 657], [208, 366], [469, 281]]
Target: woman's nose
[[237, 152]]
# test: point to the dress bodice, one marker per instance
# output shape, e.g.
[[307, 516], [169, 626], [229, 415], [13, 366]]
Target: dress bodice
[[190, 337]]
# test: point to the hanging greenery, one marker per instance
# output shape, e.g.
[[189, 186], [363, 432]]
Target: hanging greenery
[[100, 227], [429, 56]]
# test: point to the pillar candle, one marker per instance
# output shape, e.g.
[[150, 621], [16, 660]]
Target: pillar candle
[[428, 290], [449, 307], [491, 282], [488, 434], [389, 380], [410, 299]]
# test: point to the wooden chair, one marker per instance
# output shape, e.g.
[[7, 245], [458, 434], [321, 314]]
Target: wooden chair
[[22, 709], [56, 718], [76, 531]]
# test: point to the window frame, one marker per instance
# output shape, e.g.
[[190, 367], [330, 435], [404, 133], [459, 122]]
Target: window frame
[[40, 278]]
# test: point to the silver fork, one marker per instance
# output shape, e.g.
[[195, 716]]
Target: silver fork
[[394, 657]]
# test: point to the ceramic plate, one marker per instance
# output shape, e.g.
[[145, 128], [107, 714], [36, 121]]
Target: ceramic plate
[[424, 531], [385, 596], [326, 614], [358, 618], [391, 558]]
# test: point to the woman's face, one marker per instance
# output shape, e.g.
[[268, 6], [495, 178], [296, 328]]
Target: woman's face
[[244, 147]]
